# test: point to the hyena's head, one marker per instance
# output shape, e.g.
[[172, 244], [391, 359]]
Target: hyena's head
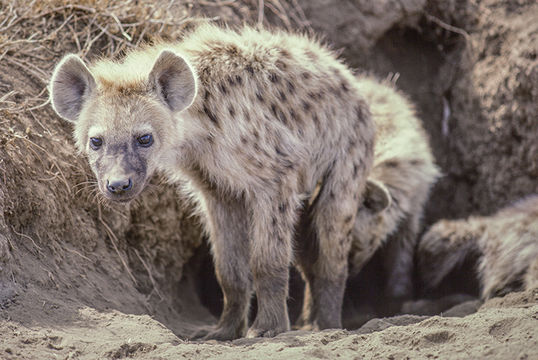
[[125, 118], [369, 221]]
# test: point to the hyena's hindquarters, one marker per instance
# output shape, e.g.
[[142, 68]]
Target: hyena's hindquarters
[[444, 246], [226, 221], [325, 269]]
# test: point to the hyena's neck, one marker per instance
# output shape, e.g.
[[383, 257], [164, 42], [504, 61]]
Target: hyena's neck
[[190, 149]]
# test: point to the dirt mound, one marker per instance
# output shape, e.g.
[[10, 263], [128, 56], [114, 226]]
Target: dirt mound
[[81, 278]]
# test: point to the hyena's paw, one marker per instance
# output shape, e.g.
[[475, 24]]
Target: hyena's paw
[[214, 332], [267, 331], [306, 327], [254, 333]]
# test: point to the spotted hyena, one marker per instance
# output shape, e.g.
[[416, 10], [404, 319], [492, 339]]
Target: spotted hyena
[[506, 245], [397, 188], [251, 121]]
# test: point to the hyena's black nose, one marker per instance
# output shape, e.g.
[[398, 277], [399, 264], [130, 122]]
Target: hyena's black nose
[[119, 186]]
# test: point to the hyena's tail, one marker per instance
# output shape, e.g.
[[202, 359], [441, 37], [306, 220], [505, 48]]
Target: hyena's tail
[[444, 247]]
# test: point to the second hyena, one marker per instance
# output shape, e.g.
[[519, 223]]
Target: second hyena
[[505, 244], [397, 189], [251, 120]]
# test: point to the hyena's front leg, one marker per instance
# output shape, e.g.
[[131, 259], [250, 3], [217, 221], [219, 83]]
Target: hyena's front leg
[[325, 273], [273, 220], [228, 227]]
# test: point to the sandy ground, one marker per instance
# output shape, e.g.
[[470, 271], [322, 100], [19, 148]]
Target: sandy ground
[[503, 328]]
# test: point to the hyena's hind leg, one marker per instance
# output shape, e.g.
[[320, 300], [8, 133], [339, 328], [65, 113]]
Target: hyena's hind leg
[[324, 266], [227, 223], [307, 252], [398, 255]]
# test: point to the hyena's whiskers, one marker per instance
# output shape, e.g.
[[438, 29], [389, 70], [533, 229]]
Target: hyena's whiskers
[[85, 186]]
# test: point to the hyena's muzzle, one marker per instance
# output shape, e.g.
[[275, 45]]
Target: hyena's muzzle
[[121, 173]]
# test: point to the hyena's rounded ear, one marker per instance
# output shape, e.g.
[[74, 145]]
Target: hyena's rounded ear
[[71, 84], [376, 196], [174, 81]]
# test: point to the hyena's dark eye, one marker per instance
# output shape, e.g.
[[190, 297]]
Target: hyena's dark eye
[[145, 140], [95, 143]]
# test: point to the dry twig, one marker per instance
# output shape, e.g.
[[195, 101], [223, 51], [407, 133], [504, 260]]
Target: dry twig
[[148, 270], [114, 240], [448, 27]]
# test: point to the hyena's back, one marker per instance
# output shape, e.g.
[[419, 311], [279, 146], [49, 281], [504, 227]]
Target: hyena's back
[[505, 243], [280, 100]]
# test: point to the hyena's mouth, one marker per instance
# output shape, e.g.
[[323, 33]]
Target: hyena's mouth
[[122, 191], [120, 199]]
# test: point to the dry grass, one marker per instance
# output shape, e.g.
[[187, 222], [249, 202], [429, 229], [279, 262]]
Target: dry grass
[[35, 34]]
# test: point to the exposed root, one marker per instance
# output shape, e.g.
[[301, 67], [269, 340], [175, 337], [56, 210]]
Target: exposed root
[[448, 27], [148, 270], [29, 238], [114, 240]]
